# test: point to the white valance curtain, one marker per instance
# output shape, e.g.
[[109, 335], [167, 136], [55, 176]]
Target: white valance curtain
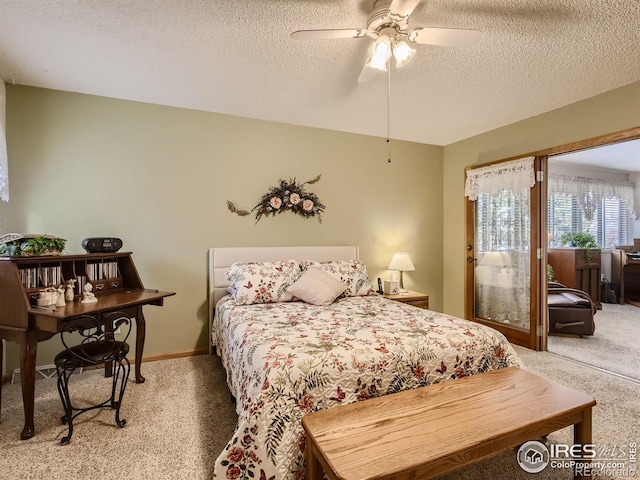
[[4, 160], [590, 192], [516, 175]]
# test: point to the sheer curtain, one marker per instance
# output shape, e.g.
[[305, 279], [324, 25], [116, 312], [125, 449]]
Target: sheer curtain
[[516, 175], [590, 192], [502, 195], [4, 161], [4, 181]]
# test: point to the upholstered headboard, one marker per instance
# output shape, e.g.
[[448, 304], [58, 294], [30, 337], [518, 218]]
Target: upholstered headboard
[[220, 259]]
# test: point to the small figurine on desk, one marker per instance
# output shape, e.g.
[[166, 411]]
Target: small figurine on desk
[[46, 297], [71, 290], [60, 300], [88, 296]]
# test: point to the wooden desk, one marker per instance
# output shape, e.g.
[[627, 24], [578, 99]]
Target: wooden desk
[[625, 275], [429, 431], [24, 323]]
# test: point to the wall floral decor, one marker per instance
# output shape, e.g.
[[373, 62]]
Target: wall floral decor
[[287, 196]]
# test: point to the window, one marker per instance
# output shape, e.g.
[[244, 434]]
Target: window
[[503, 221], [591, 206]]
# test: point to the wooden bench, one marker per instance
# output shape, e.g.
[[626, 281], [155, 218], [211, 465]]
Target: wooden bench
[[429, 431]]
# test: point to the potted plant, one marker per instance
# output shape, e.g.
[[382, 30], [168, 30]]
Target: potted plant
[[550, 273], [581, 240], [19, 245]]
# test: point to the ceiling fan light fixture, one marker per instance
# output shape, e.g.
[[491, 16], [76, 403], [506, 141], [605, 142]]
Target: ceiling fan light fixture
[[388, 25], [403, 53], [380, 53]]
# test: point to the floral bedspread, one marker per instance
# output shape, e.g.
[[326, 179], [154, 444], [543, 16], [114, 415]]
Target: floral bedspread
[[287, 359]]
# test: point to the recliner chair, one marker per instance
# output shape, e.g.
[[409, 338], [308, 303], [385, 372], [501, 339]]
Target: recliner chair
[[571, 311]]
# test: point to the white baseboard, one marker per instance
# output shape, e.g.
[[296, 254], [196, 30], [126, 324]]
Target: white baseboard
[[42, 371]]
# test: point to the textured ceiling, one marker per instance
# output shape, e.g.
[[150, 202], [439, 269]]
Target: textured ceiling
[[236, 57], [621, 157]]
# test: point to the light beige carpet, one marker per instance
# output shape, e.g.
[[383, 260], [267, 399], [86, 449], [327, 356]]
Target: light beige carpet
[[615, 345], [181, 418], [177, 422]]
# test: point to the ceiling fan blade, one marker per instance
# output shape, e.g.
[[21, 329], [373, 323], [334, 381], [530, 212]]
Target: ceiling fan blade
[[400, 9], [367, 74], [446, 37], [330, 33]]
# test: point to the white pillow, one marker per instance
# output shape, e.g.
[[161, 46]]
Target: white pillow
[[353, 273], [317, 287]]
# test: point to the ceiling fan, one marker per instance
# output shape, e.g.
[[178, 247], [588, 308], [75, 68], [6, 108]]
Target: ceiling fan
[[388, 24]]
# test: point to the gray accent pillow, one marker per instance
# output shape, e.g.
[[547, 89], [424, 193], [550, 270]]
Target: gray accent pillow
[[317, 287]]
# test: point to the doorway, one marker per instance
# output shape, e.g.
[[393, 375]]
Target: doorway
[[611, 174], [536, 337]]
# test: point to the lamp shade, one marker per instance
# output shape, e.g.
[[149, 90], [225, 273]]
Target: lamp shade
[[379, 53], [492, 259], [402, 53], [401, 261], [496, 259]]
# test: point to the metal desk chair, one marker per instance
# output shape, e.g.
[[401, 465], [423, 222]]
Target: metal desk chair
[[97, 347]]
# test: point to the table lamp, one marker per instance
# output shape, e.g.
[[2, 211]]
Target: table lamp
[[401, 261]]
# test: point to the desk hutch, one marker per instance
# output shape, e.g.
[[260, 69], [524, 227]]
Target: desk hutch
[[116, 284]]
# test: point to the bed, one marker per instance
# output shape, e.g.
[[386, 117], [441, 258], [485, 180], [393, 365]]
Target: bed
[[287, 358]]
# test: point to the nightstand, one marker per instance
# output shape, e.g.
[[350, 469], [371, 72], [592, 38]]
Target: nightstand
[[412, 298]]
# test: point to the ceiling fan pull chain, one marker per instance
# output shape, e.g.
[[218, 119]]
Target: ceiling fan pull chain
[[389, 110]]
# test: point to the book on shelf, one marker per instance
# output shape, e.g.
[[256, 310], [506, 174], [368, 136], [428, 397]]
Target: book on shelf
[[29, 277], [81, 281], [41, 277], [102, 270], [50, 276], [110, 269]]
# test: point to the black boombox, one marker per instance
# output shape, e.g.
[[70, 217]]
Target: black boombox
[[102, 244]]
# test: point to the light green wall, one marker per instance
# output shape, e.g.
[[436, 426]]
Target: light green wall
[[600, 115], [159, 178]]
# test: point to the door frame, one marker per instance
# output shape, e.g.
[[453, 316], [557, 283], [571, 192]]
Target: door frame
[[532, 338], [536, 338]]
